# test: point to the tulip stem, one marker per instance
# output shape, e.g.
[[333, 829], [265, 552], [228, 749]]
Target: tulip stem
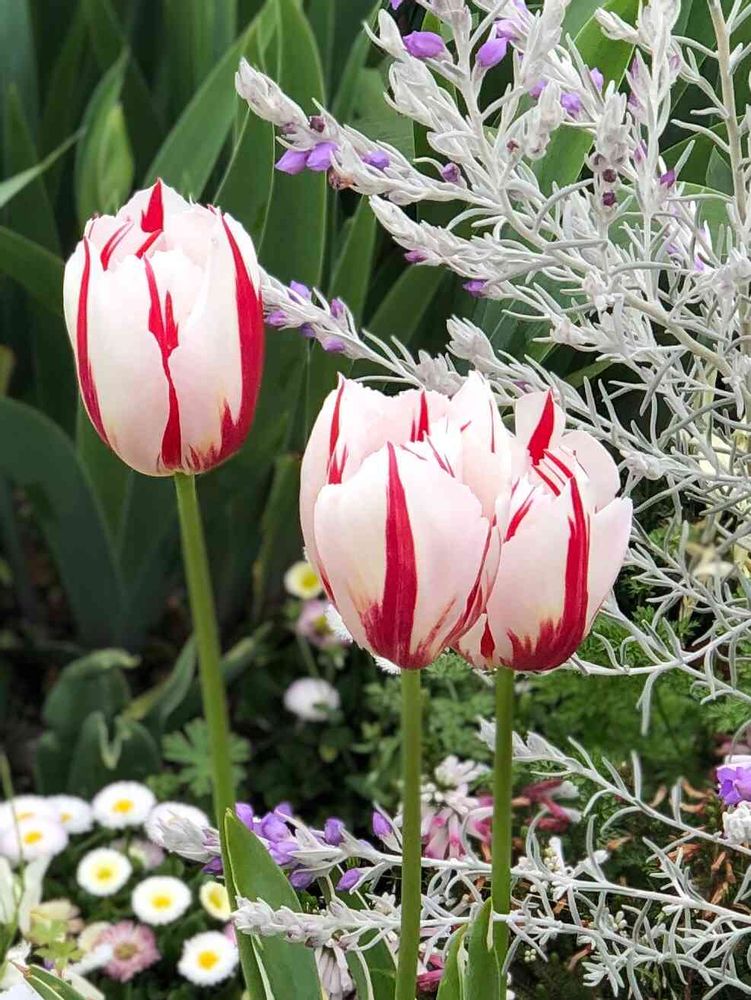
[[207, 639], [501, 846], [409, 940]]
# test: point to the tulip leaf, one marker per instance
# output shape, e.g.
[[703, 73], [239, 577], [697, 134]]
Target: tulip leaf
[[483, 975], [452, 980], [12, 186], [34, 268], [289, 969], [107, 752], [351, 277], [569, 145], [18, 67], [38, 457], [403, 308], [280, 538], [48, 986]]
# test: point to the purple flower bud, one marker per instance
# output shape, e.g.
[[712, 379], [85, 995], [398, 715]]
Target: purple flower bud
[[734, 784], [319, 158], [333, 345], [337, 308], [609, 175], [424, 44], [415, 257], [451, 173], [633, 101], [277, 318], [571, 103], [377, 158], [381, 826], [609, 199], [333, 831], [597, 78], [244, 812], [293, 161], [505, 28], [668, 178], [284, 809], [301, 879], [307, 331], [349, 879], [537, 89], [273, 828], [213, 867], [317, 123], [396, 4], [476, 287], [284, 852], [640, 152], [491, 52], [300, 289]]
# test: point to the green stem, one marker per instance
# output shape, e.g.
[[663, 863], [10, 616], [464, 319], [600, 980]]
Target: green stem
[[207, 641], [501, 847], [409, 940]]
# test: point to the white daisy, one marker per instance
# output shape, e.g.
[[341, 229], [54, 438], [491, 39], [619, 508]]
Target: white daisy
[[311, 699], [32, 838], [302, 581], [215, 900], [208, 958], [73, 813], [160, 899], [162, 814], [103, 872], [123, 803], [25, 807]]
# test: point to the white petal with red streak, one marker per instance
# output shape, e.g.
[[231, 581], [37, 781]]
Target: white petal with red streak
[[529, 411], [597, 463]]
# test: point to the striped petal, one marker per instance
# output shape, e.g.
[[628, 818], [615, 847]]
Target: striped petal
[[539, 423]]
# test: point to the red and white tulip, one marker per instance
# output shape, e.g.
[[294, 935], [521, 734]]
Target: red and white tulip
[[163, 309], [396, 498], [563, 537]]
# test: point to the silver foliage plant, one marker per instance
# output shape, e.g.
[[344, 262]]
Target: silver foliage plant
[[636, 269]]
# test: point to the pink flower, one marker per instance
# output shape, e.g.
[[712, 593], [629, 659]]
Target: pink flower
[[312, 624], [395, 502], [163, 309], [133, 949], [563, 537]]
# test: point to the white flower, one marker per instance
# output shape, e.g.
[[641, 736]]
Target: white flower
[[215, 900], [161, 816], [311, 699], [25, 807], [32, 838], [737, 824], [123, 803], [301, 580], [208, 958], [160, 899], [336, 980], [103, 872], [20, 893], [87, 939], [73, 813]]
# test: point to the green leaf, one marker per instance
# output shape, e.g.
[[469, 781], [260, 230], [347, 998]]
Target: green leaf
[[18, 65], [94, 683], [40, 459], [155, 706], [293, 240], [352, 272], [6, 368], [190, 151], [34, 268], [402, 310], [482, 976], [719, 174], [108, 475], [290, 969], [12, 186], [102, 755], [48, 986], [344, 101], [452, 981], [569, 146]]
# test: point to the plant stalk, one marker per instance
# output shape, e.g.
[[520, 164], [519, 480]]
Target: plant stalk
[[501, 846], [409, 940]]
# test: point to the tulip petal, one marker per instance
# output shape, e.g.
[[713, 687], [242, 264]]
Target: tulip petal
[[598, 464], [610, 531], [400, 544], [539, 423]]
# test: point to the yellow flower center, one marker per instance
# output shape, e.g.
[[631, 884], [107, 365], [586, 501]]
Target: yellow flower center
[[309, 580], [29, 814], [105, 873], [32, 837], [66, 817], [162, 902], [125, 950], [207, 959], [217, 896], [123, 806]]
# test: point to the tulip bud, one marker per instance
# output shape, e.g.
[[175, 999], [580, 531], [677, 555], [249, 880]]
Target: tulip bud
[[163, 309]]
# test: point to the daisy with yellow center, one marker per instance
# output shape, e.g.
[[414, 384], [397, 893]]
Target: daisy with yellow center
[[160, 900], [31, 838], [208, 959], [123, 804], [72, 812], [24, 807], [215, 900], [103, 872], [302, 581]]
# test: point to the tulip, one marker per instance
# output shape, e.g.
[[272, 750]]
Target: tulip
[[563, 540], [163, 309]]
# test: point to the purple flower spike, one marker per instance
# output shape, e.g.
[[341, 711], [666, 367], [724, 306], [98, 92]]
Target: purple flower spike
[[537, 90], [307, 331], [424, 44], [333, 831], [381, 825], [668, 178], [476, 287], [319, 158], [571, 103], [300, 880], [293, 161], [300, 289], [377, 158], [451, 173], [349, 879], [277, 318], [597, 78], [337, 308], [415, 257], [491, 52], [734, 784]]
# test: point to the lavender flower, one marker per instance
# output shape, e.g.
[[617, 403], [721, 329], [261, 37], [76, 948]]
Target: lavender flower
[[536, 90], [451, 173], [320, 156], [415, 257], [381, 825], [424, 44], [571, 103], [476, 287], [667, 179], [349, 879], [491, 52], [300, 289], [734, 784], [597, 78], [377, 158], [277, 318], [293, 161], [333, 831], [338, 309]]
